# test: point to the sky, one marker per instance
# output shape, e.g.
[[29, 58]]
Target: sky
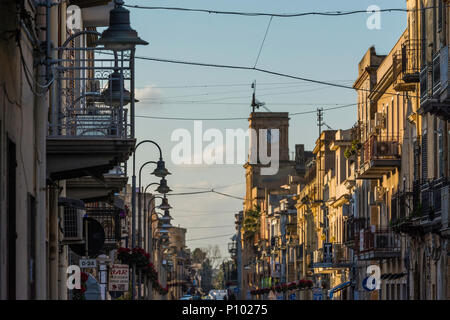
[[315, 47]]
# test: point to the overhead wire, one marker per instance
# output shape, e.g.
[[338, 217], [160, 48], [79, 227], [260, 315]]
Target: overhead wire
[[279, 15], [212, 237], [237, 118]]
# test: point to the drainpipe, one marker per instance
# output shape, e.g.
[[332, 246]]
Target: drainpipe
[[41, 125]]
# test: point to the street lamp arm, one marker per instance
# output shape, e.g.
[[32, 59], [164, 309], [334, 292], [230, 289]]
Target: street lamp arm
[[150, 184], [140, 171], [80, 33], [153, 142]]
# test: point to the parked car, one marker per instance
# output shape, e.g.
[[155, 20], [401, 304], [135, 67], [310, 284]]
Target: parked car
[[186, 297]]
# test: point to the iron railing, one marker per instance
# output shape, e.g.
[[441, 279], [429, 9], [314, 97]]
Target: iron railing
[[109, 218], [91, 93], [379, 147], [381, 242], [436, 74], [406, 62]]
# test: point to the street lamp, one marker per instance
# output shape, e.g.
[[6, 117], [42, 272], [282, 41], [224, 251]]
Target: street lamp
[[115, 94], [165, 204], [120, 36], [161, 171], [163, 188]]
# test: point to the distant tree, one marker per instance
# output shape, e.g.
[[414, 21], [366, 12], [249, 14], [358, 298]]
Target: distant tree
[[198, 255], [214, 255], [252, 222], [206, 273], [218, 279]]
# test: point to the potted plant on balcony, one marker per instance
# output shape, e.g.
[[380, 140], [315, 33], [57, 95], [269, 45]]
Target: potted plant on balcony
[[301, 284], [124, 255], [278, 288]]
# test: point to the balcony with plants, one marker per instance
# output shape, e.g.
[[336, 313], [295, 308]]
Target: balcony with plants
[[380, 155]]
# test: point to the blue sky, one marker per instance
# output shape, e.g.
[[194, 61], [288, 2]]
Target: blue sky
[[321, 48]]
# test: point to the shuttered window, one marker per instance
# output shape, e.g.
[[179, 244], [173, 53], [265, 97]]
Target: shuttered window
[[425, 156]]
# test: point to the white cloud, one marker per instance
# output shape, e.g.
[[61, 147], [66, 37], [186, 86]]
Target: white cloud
[[148, 95]]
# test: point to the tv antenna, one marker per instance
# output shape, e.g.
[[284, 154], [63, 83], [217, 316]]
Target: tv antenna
[[255, 102]]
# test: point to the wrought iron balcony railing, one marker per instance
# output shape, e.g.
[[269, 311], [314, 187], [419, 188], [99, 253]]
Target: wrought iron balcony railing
[[109, 218], [379, 147], [91, 93], [377, 244], [406, 63]]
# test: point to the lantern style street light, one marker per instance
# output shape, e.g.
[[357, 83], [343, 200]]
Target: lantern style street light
[[115, 94], [163, 188], [165, 204], [120, 36], [161, 171]]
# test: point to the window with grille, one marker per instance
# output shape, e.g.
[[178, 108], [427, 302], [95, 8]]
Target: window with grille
[[425, 156]]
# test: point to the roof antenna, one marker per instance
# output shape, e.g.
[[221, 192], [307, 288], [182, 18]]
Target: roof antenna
[[255, 102]]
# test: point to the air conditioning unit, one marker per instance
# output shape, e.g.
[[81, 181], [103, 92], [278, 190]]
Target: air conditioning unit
[[380, 120], [73, 211], [383, 148]]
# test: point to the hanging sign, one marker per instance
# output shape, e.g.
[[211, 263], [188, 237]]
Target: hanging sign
[[119, 277]]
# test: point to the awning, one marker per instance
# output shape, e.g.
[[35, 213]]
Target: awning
[[338, 288]]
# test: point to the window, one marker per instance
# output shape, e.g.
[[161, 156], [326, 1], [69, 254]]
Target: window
[[440, 151], [440, 14], [424, 33], [424, 156]]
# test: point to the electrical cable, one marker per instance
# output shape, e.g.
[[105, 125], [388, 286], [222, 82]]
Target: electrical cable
[[246, 118], [213, 227], [228, 85], [264, 40], [201, 192], [211, 65], [279, 15], [220, 236]]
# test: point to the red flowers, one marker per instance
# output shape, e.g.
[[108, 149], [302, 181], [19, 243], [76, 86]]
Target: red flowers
[[84, 277]]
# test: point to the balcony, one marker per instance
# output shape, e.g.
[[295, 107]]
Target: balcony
[[109, 218], [94, 189], [434, 205], [351, 226], [406, 66], [434, 89], [90, 130], [381, 155], [377, 244]]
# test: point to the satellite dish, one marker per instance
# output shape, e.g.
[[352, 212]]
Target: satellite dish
[[95, 237]]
